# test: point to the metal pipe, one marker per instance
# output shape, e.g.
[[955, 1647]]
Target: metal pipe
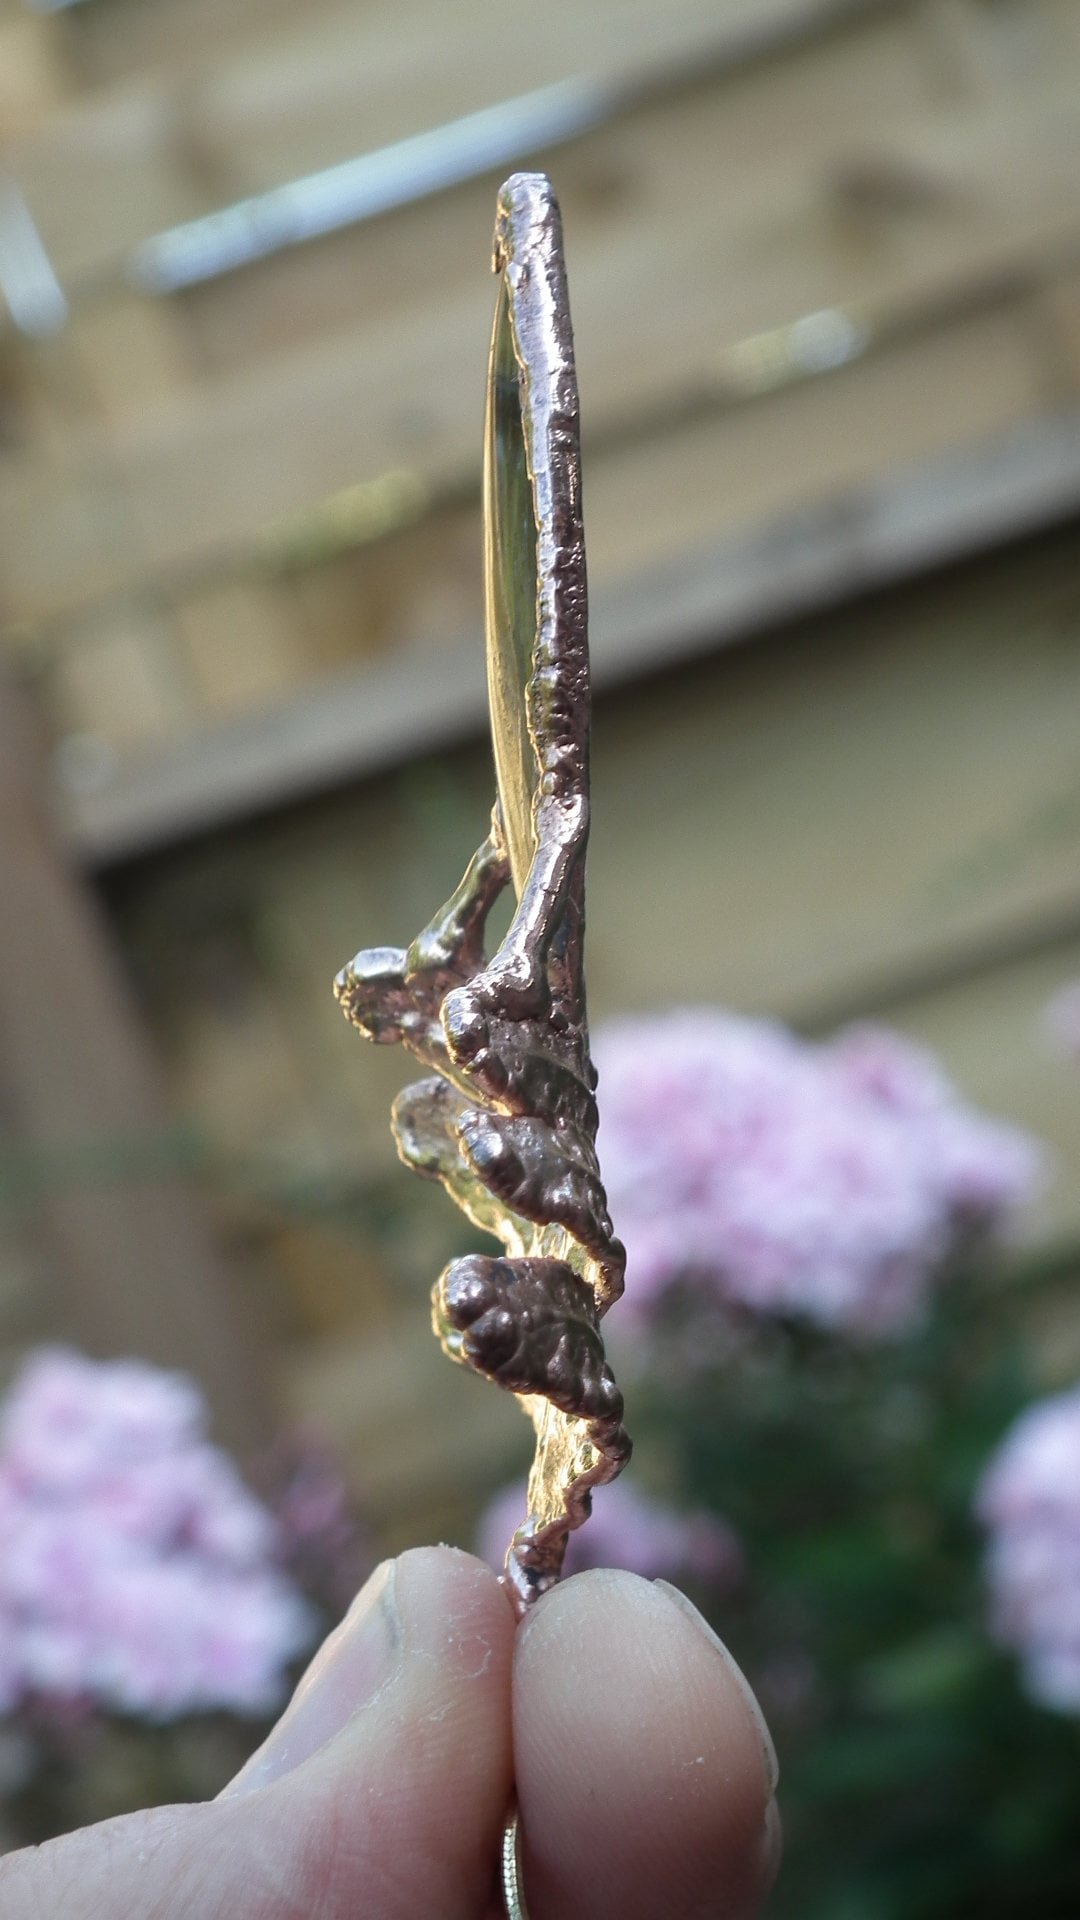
[[31, 291]]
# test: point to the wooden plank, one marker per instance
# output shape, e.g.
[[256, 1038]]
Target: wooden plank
[[131, 1264], [822, 451], [186, 485], [240, 646], [125, 356], [114, 41], [629, 176], [858, 814], [119, 687], [989, 1028], [890, 793], [32, 79], [861, 814], [180, 510], [221, 127], [22, 1322], [714, 593]]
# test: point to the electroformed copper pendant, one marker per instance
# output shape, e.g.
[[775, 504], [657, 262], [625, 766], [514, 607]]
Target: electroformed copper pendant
[[508, 1121]]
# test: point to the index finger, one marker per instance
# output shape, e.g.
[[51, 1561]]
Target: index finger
[[645, 1773]]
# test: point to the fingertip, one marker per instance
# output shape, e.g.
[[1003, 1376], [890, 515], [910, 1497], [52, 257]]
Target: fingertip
[[642, 1777], [735, 1673], [442, 1578], [382, 1790], [433, 1599], [400, 1811]]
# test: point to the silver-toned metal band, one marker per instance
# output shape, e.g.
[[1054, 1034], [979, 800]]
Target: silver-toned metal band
[[513, 1889]]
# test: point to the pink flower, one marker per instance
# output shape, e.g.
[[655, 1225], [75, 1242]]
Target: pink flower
[[627, 1529], [832, 1181], [136, 1570], [1029, 1502], [68, 1419]]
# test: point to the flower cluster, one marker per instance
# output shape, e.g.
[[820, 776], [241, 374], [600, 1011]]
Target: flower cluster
[[631, 1530], [1029, 1501], [136, 1570], [832, 1181]]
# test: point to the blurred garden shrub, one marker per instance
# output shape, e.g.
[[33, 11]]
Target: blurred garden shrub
[[818, 1352]]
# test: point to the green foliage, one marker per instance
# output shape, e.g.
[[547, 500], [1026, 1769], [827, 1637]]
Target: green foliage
[[917, 1781]]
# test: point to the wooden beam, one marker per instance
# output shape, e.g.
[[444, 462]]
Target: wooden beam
[[108, 171], [131, 1263], [165, 495], [715, 595]]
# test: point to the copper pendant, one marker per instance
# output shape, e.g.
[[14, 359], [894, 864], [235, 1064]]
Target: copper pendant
[[508, 1119]]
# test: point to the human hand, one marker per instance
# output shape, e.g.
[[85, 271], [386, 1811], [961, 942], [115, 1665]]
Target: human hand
[[643, 1772]]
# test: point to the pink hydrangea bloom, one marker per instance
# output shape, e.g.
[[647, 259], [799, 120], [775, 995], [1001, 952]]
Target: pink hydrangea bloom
[[1029, 1501], [136, 1570], [627, 1529], [828, 1180]]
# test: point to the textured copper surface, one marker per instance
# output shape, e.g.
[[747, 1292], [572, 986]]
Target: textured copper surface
[[508, 1121]]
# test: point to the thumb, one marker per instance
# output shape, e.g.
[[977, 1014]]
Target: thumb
[[381, 1790]]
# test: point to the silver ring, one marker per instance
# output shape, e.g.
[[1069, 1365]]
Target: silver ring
[[513, 1890]]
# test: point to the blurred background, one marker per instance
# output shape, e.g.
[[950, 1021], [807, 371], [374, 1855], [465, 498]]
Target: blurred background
[[824, 262]]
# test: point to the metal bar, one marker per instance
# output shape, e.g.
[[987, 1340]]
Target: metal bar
[[33, 294], [369, 184]]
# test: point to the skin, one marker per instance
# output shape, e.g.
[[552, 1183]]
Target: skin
[[643, 1771]]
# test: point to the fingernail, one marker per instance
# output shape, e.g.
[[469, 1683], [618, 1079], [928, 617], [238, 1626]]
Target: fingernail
[[772, 1844], [685, 1606], [348, 1671]]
